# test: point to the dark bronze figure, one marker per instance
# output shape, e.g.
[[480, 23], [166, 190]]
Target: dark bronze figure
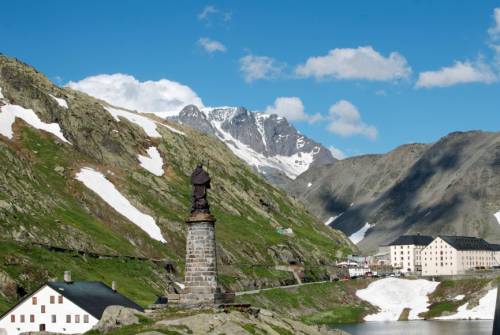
[[201, 182]]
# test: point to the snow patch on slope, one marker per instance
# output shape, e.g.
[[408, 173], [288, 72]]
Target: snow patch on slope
[[484, 311], [61, 102], [309, 185], [360, 234], [9, 113], [497, 216], [392, 295], [96, 182], [152, 162], [172, 129], [142, 121], [332, 218], [1, 95], [145, 123]]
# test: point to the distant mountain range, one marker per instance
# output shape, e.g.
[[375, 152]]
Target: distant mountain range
[[268, 143], [449, 187]]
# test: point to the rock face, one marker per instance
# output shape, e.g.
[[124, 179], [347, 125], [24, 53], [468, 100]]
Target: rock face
[[238, 323], [201, 263], [268, 143], [448, 187], [115, 317]]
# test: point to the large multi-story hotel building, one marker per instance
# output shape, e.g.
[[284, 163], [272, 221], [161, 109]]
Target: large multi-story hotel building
[[405, 252]]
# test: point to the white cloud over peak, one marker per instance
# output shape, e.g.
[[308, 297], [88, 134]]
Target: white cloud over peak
[[337, 153], [162, 97], [494, 31], [359, 63], [260, 67], [211, 46], [458, 73], [292, 108], [345, 120]]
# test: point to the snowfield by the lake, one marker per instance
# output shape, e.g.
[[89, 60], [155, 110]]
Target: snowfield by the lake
[[60, 102], [393, 295], [9, 113], [96, 182], [484, 311], [152, 162], [360, 234]]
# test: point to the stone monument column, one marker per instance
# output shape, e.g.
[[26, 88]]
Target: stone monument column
[[201, 260]]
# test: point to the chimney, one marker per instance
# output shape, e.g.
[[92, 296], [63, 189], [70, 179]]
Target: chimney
[[113, 285], [67, 277]]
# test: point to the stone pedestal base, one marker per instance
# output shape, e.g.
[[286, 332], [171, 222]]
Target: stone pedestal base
[[201, 261]]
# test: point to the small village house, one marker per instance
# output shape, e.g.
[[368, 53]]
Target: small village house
[[452, 255], [62, 307], [406, 252]]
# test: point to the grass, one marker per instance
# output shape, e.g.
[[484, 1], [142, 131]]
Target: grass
[[339, 314], [138, 280], [322, 303], [442, 300]]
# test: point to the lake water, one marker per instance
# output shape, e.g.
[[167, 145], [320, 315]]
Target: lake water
[[458, 327]]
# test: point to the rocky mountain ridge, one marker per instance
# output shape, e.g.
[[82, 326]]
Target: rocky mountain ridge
[[268, 143], [449, 187]]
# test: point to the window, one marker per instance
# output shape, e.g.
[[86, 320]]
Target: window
[[32, 318], [42, 308], [12, 318], [60, 299], [22, 318], [77, 318], [33, 300], [52, 299], [86, 318], [54, 318], [68, 318]]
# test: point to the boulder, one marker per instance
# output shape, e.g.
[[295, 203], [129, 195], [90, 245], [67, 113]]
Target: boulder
[[116, 317]]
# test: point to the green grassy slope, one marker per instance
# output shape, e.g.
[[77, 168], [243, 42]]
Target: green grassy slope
[[41, 202]]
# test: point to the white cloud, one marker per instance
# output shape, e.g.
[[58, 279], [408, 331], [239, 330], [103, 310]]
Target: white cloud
[[259, 67], [345, 120], [494, 31], [359, 63], [381, 93], [210, 13], [211, 46], [458, 73], [337, 153], [163, 97], [292, 108]]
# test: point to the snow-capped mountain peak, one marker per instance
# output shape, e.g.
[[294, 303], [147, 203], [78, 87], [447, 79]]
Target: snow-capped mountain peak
[[266, 142]]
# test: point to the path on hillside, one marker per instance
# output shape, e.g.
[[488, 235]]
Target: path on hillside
[[285, 287]]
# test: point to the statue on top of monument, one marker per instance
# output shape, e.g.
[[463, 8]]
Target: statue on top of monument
[[200, 180]]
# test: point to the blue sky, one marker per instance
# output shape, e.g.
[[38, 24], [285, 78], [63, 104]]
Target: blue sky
[[349, 74]]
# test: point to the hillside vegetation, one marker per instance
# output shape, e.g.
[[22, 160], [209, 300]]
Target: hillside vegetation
[[44, 209]]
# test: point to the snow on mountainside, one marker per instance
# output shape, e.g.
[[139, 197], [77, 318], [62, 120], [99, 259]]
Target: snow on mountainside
[[266, 142]]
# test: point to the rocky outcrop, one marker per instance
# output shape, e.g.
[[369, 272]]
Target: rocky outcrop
[[239, 323], [115, 317]]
